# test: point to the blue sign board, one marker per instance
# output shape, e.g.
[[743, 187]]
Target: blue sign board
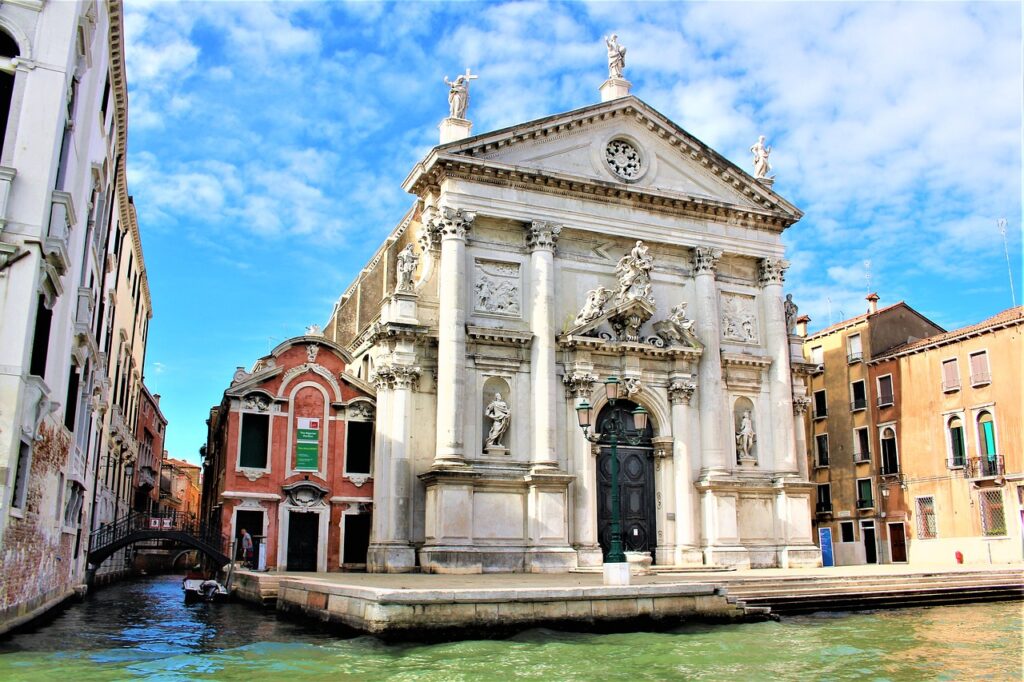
[[825, 542]]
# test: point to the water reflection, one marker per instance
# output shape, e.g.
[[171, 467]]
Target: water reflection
[[143, 630]]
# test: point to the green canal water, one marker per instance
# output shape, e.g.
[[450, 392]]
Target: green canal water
[[143, 630]]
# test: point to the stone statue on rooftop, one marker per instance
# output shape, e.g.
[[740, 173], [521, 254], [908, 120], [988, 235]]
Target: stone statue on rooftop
[[406, 265], [616, 56], [761, 152], [458, 94], [634, 273], [791, 311]]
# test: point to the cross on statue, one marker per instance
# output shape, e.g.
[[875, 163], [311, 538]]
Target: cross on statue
[[458, 94]]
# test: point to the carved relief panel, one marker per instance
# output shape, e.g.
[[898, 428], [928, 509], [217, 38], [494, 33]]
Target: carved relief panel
[[739, 318], [497, 288]]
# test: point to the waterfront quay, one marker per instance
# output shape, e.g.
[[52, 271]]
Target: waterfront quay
[[485, 605]]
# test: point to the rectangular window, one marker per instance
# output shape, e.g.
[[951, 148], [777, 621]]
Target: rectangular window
[[957, 444], [993, 521], [885, 394], [71, 401], [21, 476], [926, 528], [824, 498], [861, 445], [255, 435], [890, 456], [950, 376], [821, 446], [858, 396], [820, 406], [846, 531], [41, 339], [980, 373], [865, 498], [854, 353], [817, 355], [359, 448]]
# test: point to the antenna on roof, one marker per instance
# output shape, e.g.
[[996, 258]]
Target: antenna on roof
[[1002, 230], [867, 273]]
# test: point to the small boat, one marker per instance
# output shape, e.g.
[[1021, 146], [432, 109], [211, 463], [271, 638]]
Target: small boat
[[199, 589]]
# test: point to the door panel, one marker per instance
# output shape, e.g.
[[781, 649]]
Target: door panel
[[303, 536], [897, 543]]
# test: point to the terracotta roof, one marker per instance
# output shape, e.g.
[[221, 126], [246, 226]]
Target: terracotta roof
[[1005, 318], [854, 320]]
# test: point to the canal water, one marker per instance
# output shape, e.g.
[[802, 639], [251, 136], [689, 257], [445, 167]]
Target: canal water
[[143, 630]]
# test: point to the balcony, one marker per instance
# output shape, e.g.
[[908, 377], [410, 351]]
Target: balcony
[[858, 404], [862, 457], [984, 467], [885, 401], [823, 508], [981, 379], [951, 386], [854, 357], [62, 219], [863, 503]]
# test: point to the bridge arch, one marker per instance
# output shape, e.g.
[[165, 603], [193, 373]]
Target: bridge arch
[[100, 554]]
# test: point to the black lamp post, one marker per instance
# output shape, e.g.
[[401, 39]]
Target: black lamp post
[[613, 427]]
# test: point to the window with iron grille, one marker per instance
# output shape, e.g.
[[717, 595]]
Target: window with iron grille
[[926, 527], [993, 521]]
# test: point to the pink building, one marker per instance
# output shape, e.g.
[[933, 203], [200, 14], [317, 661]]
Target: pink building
[[289, 458]]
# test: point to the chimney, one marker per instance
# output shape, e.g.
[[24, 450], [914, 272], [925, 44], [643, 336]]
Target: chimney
[[156, 398], [872, 303], [801, 326]]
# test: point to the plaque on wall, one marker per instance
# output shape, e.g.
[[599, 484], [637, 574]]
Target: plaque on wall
[[497, 288]]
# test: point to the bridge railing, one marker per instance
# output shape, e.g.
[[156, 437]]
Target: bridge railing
[[169, 522]]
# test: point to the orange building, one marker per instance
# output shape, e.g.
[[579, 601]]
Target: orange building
[[289, 458], [949, 434]]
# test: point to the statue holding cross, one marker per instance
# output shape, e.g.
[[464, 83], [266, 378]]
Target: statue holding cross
[[458, 94]]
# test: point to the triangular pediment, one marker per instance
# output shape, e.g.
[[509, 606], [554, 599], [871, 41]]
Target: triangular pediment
[[625, 142]]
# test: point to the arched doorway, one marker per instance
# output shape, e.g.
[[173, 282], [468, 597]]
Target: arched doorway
[[636, 486]]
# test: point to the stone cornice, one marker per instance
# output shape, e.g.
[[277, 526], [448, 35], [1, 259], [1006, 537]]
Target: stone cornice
[[746, 360], [597, 344], [499, 337]]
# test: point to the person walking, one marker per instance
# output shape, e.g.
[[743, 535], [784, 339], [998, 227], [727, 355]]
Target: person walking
[[246, 549]]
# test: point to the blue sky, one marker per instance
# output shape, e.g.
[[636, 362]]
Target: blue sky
[[268, 142]]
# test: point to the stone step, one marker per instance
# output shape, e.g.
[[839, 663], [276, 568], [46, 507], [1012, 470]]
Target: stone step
[[866, 600], [863, 587]]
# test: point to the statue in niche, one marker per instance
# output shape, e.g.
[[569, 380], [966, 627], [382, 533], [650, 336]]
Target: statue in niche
[[791, 311], [594, 307], [406, 265], [458, 94], [616, 56], [761, 152], [745, 438], [634, 273], [500, 415]]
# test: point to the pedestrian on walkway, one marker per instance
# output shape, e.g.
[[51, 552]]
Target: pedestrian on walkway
[[246, 549]]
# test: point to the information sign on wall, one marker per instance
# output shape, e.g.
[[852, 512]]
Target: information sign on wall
[[307, 445]]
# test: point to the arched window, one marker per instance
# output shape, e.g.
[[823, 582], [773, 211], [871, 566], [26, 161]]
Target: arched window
[[890, 459], [986, 435], [957, 444], [8, 51]]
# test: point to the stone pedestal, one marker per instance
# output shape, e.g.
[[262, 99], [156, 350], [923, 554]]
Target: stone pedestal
[[401, 308], [614, 88], [496, 451], [639, 563], [455, 129], [616, 574]]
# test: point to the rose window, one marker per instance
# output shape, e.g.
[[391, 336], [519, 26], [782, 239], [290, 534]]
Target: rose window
[[623, 159]]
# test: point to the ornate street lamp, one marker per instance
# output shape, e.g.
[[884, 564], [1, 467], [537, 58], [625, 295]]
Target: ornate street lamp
[[613, 427]]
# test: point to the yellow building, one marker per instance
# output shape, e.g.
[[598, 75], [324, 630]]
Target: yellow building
[[955, 423], [842, 433]]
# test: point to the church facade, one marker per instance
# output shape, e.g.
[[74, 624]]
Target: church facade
[[536, 262]]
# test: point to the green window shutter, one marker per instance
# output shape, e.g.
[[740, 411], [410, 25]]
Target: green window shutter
[[990, 439], [957, 434]]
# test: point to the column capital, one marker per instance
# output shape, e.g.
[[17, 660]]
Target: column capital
[[452, 223], [800, 405], [705, 260], [773, 271], [578, 384], [542, 235], [395, 377], [680, 392]]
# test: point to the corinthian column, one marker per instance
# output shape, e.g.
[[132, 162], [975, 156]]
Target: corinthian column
[[390, 550], [713, 454], [452, 225], [541, 239], [780, 386], [680, 394], [578, 385]]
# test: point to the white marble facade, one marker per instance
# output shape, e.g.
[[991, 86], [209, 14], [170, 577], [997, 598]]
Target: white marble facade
[[524, 288]]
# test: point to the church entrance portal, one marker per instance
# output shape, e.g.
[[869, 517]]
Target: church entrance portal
[[636, 487], [303, 534]]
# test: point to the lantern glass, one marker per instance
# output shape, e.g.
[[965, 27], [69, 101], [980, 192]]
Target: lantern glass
[[640, 418], [611, 389], [583, 414]]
